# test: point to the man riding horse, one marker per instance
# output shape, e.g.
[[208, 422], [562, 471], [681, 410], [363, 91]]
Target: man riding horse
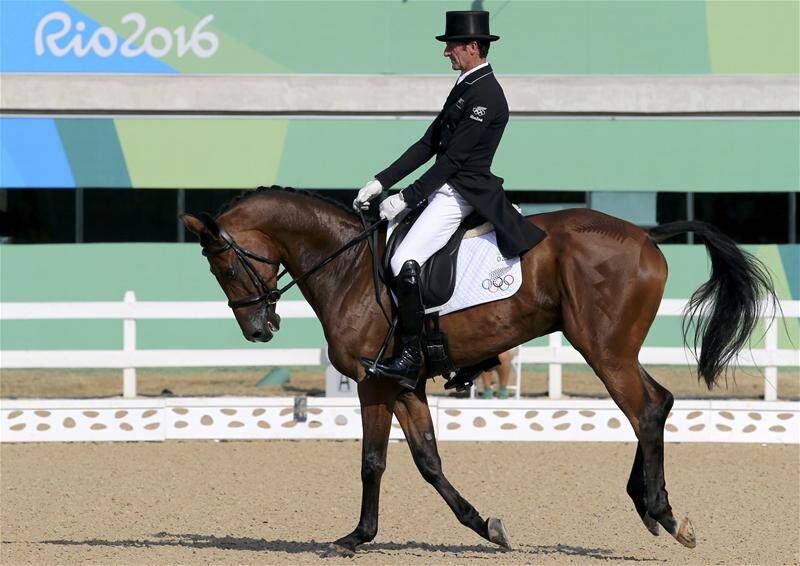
[[596, 278], [464, 138]]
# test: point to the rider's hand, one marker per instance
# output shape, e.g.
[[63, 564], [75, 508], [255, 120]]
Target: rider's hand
[[366, 194], [392, 206]]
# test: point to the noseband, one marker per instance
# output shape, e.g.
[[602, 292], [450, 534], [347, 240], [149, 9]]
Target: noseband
[[265, 294]]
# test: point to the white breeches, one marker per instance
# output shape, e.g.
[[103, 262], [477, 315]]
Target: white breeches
[[431, 231]]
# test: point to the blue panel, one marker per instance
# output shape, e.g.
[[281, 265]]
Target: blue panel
[[33, 153], [638, 208], [790, 255], [19, 21], [9, 176]]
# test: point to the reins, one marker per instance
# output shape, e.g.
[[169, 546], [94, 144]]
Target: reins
[[272, 296], [372, 242]]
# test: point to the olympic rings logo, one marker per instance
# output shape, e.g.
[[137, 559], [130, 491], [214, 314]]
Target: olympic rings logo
[[498, 283]]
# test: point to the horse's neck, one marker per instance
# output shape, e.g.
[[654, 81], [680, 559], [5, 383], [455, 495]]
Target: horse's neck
[[308, 237]]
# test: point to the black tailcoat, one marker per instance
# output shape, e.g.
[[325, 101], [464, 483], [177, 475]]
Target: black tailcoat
[[464, 138]]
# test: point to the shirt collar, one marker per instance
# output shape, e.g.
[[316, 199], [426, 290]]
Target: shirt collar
[[465, 75]]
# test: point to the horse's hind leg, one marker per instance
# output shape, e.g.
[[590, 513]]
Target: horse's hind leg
[[414, 417], [607, 312], [637, 490], [651, 425], [651, 442], [646, 405]]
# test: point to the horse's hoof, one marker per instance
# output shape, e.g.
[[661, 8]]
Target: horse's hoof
[[685, 534], [338, 551], [651, 524], [498, 533]]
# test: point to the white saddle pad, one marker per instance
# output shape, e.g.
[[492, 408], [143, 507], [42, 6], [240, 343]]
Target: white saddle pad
[[483, 275]]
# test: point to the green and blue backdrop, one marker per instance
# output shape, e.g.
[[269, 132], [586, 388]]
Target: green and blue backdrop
[[650, 37], [397, 36]]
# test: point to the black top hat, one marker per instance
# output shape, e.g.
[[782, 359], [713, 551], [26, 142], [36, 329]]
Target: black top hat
[[465, 25]]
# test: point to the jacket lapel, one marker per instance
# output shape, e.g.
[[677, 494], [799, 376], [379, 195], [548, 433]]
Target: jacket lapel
[[461, 87]]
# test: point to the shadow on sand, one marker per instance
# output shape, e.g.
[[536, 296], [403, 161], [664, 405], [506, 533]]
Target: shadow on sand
[[476, 551]]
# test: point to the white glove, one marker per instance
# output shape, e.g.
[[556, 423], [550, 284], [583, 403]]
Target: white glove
[[367, 193], [392, 206]]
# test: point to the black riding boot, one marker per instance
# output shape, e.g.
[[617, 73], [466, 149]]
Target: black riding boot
[[404, 366], [465, 376]]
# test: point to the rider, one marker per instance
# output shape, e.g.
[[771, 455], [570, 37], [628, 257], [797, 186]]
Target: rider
[[464, 138]]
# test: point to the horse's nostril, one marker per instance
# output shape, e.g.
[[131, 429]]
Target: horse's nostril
[[256, 334]]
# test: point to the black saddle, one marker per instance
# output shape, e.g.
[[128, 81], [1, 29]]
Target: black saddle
[[438, 274]]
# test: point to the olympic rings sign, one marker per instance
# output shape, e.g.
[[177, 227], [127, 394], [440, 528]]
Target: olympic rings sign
[[498, 283]]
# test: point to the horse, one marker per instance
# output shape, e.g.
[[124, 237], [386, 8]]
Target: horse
[[596, 278]]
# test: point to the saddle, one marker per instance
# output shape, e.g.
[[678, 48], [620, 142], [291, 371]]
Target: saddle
[[438, 280], [438, 274]]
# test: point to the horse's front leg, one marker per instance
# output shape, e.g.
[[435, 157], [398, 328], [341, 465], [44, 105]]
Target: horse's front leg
[[414, 415], [377, 400]]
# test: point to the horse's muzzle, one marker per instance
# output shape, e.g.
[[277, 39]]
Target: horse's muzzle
[[265, 332]]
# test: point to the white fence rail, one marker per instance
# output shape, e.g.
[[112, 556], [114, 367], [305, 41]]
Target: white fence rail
[[129, 358]]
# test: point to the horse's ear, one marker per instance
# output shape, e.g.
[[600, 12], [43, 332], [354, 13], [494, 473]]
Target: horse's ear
[[192, 223], [200, 225], [209, 223]]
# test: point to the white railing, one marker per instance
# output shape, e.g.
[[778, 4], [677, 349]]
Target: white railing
[[130, 358], [555, 354], [266, 418]]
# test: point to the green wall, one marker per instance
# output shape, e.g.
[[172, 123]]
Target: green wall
[[176, 272], [543, 36], [682, 155]]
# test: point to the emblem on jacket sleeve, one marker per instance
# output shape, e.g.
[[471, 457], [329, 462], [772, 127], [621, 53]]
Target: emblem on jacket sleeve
[[477, 113], [460, 103]]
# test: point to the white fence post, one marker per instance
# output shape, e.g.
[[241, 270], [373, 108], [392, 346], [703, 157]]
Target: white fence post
[[771, 372], [554, 370], [129, 345]]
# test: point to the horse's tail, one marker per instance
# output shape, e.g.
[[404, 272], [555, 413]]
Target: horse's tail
[[725, 308]]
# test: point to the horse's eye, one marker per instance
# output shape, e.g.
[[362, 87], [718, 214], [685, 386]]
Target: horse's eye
[[230, 273]]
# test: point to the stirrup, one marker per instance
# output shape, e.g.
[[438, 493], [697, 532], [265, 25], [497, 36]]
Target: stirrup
[[370, 364], [405, 381], [404, 367], [408, 383]]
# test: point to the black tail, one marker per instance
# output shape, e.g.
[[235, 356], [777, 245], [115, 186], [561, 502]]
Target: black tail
[[726, 308]]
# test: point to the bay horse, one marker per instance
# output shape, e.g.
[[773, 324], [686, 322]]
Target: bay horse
[[596, 278]]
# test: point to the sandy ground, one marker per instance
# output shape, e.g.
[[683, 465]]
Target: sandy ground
[[578, 381], [280, 502]]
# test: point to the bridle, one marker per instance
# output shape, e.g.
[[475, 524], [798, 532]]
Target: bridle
[[264, 293]]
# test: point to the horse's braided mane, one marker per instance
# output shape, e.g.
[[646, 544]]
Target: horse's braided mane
[[260, 190]]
